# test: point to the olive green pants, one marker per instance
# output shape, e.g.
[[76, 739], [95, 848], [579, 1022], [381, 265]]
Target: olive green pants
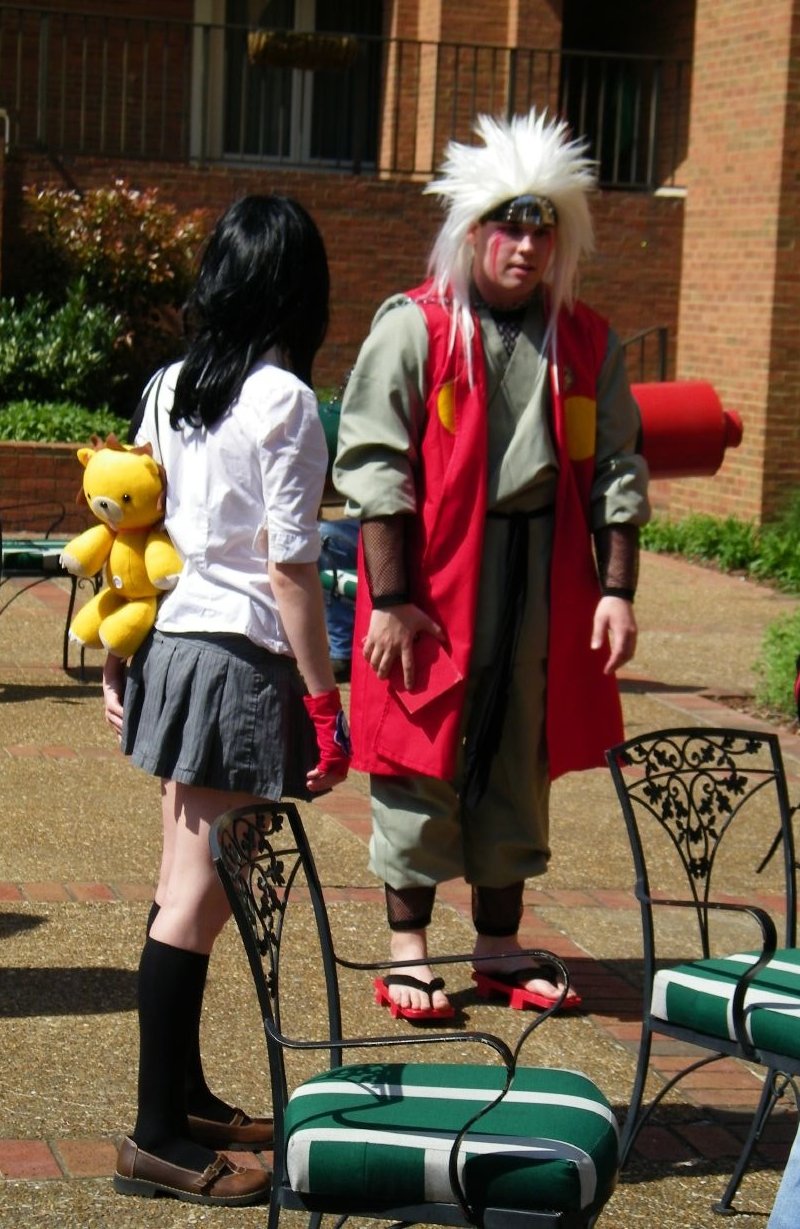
[[420, 835]]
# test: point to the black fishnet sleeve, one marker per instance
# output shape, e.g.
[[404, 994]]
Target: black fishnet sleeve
[[384, 542], [617, 551]]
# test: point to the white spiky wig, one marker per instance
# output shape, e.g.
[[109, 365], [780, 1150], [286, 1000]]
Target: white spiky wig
[[526, 155]]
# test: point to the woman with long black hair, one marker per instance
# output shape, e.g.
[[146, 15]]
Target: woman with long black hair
[[233, 697]]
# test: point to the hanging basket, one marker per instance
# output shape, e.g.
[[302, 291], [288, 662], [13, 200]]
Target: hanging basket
[[300, 49]]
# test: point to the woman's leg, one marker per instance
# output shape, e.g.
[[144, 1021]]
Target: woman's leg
[[192, 909], [168, 831], [169, 988], [200, 1100], [193, 904]]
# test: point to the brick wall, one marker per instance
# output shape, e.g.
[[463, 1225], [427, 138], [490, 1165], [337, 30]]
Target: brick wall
[[634, 277], [532, 23], [728, 294], [55, 59], [378, 235], [741, 263], [527, 23]]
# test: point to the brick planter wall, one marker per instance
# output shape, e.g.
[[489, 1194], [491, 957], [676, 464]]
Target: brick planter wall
[[36, 482]]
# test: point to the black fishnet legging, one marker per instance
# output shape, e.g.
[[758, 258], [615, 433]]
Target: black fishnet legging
[[495, 911]]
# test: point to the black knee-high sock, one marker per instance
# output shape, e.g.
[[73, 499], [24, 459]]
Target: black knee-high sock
[[155, 908], [171, 983], [200, 1100]]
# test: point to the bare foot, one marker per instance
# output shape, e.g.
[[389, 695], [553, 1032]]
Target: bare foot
[[491, 945], [412, 945]]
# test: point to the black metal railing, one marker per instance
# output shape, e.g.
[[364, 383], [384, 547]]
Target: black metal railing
[[646, 354], [111, 85]]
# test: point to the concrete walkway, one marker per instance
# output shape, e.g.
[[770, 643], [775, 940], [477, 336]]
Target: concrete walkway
[[80, 843]]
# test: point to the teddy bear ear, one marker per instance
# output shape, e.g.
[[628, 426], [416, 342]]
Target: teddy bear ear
[[141, 450], [85, 455]]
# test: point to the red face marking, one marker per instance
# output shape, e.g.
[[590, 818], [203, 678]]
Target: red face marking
[[494, 246]]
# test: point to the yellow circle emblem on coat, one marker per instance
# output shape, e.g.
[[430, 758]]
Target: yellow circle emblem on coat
[[580, 414], [446, 407]]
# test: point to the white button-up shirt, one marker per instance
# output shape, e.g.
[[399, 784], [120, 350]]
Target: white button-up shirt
[[239, 494]]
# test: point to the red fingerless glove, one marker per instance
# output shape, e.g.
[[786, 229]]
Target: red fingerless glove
[[332, 731]]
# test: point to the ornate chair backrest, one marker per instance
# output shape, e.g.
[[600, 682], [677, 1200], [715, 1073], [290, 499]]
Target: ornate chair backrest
[[697, 785], [264, 861]]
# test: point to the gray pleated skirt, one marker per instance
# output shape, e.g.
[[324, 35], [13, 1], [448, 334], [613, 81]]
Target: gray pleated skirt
[[218, 712]]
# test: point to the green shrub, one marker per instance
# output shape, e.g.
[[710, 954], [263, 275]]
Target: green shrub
[[62, 354], [58, 422], [133, 251], [775, 667], [770, 553], [731, 543], [663, 536], [134, 255], [779, 549]]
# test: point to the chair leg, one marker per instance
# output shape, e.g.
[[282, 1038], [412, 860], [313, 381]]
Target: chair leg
[[770, 1094], [631, 1128], [633, 1125], [273, 1215], [73, 590]]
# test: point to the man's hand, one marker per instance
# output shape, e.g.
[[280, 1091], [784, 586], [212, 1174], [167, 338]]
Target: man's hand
[[615, 624], [391, 635]]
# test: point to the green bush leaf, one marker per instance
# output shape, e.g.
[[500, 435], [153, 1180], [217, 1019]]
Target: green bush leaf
[[58, 422], [66, 353], [775, 666]]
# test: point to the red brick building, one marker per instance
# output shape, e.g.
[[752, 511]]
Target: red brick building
[[690, 107]]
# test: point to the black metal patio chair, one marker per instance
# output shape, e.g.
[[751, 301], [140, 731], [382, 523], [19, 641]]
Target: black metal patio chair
[[34, 558], [692, 798], [491, 1143]]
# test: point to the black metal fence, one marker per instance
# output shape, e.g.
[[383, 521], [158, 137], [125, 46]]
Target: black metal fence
[[646, 354], [80, 83]]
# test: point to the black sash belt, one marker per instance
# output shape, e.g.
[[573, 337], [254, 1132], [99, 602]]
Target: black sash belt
[[485, 726]]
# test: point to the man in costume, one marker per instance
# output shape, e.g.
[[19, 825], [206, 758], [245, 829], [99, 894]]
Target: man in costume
[[488, 437]]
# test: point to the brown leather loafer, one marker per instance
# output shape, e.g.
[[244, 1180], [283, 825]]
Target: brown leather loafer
[[220, 1184], [241, 1134]]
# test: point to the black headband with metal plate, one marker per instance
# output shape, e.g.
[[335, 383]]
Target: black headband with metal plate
[[537, 210]]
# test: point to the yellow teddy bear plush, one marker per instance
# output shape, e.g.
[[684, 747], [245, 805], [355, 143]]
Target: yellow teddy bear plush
[[124, 487]]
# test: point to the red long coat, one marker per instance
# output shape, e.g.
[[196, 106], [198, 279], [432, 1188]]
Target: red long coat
[[395, 734]]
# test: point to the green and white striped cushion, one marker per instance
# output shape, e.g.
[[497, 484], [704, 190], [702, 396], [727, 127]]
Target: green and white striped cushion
[[379, 1136], [699, 995]]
